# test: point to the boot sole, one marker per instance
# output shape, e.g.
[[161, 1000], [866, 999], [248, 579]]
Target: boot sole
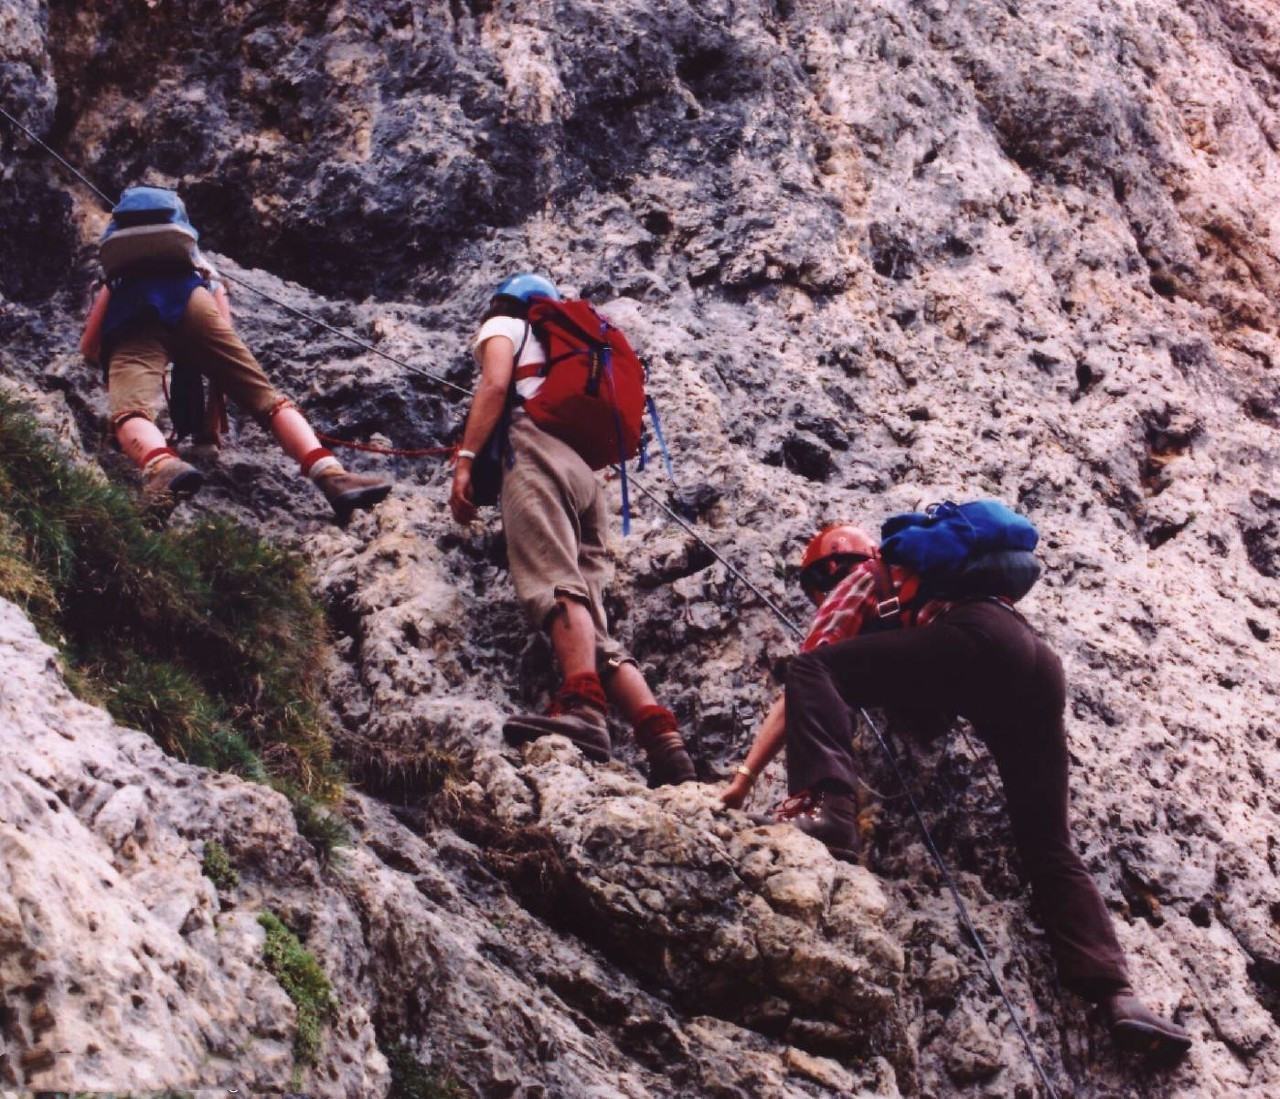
[[359, 499], [1148, 1040], [843, 854], [184, 486], [517, 733]]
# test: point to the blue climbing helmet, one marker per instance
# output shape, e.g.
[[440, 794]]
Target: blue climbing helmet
[[527, 286]]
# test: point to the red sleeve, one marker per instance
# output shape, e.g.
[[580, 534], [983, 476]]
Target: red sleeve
[[844, 612], [91, 340]]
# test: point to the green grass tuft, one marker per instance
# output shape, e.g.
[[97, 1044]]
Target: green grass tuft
[[411, 1080], [304, 982], [218, 867], [322, 828], [206, 637]]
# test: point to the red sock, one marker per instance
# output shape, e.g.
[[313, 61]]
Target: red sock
[[155, 455], [652, 722], [312, 457], [581, 690]]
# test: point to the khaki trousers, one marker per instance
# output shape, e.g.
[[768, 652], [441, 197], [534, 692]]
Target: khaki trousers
[[204, 340], [555, 519]]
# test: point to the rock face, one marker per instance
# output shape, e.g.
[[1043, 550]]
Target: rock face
[[875, 254], [120, 964], [128, 965]]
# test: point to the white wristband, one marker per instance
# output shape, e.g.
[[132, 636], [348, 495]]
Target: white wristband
[[467, 454]]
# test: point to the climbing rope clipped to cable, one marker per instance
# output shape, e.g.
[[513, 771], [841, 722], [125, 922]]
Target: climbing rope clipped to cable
[[398, 452]]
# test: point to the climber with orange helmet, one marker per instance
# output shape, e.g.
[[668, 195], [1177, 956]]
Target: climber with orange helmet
[[829, 556], [875, 643], [555, 519]]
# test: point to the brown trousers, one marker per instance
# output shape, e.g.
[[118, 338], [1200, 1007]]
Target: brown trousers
[[556, 523], [204, 340], [982, 661]]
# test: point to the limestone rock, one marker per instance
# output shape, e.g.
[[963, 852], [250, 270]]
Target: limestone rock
[[874, 255]]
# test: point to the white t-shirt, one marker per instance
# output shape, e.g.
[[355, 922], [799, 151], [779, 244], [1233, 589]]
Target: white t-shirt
[[516, 330]]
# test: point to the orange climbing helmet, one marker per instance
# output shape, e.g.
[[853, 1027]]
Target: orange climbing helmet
[[829, 556]]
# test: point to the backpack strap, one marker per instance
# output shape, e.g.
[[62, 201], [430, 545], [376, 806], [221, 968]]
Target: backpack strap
[[888, 602], [662, 443], [895, 601], [597, 347], [533, 370], [573, 328]]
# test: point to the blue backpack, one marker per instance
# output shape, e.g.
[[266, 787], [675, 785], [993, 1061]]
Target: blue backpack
[[977, 550], [148, 226]]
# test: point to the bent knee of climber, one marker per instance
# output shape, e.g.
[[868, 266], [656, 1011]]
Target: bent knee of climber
[[609, 662], [266, 417], [552, 605], [122, 417], [805, 668]]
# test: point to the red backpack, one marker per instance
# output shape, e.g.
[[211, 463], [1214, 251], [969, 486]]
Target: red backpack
[[592, 393]]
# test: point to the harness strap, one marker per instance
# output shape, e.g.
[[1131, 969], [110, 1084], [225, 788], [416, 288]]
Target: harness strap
[[894, 600]]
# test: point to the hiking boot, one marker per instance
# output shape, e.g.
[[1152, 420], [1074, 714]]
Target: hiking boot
[[348, 492], [168, 480], [584, 725], [1135, 1028], [826, 816], [656, 732], [669, 762]]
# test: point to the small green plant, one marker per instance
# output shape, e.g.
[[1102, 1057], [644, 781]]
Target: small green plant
[[205, 637], [323, 829], [410, 1079], [218, 867], [304, 982]]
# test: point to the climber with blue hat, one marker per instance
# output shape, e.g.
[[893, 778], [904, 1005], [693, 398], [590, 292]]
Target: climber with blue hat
[[556, 523], [162, 302]]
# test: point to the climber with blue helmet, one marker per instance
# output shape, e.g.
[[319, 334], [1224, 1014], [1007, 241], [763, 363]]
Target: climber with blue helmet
[[556, 523], [163, 302]]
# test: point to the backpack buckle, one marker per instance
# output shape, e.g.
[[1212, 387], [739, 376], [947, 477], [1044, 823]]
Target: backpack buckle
[[887, 608]]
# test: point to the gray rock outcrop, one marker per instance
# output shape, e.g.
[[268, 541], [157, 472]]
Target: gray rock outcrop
[[875, 254]]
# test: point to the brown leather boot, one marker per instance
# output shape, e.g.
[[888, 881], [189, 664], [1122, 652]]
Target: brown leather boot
[[347, 492], [169, 479], [827, 816], [577, 713], [1135, 1028], [584, 725], [669, 762]]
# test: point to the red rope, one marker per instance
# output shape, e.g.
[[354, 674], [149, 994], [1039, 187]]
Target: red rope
[[426, 452]]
